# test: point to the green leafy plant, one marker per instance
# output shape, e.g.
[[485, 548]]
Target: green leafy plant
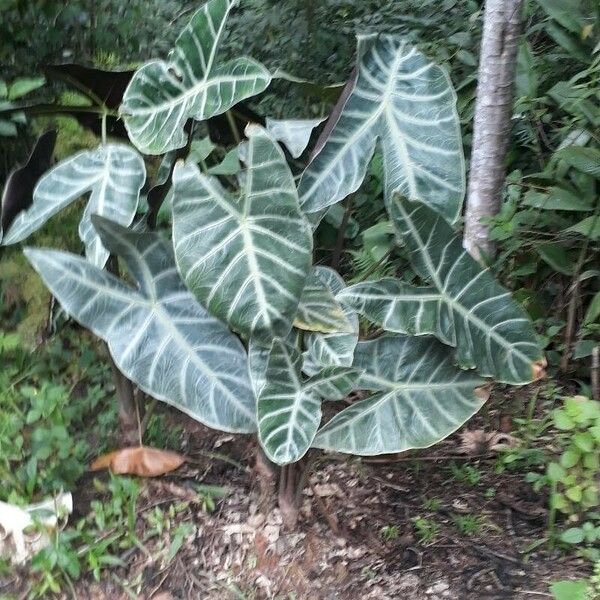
[[11, 92], [572, 478], [427, 530], [94, 543], [469, 524], [390, 532], [40, 451], [432, 504], [466, 474], [574, 475], [578, 589], [232, 322]]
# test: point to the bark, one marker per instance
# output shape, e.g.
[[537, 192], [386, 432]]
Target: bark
[[491, 127]]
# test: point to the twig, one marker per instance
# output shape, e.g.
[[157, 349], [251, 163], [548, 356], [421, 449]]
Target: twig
[[104, 115], [147, 414], [471, 581], [427, 458], [217, 456], [485, 550], [151, 594]]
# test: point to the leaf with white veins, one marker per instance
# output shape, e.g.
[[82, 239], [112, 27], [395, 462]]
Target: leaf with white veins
[[246, 259], [157, 333], [333, 349], [408, 104], [289, 412], [420, 398], [113, 175], [162, 96], [334, 383], [318, 309], [294, 134], [473, 312]]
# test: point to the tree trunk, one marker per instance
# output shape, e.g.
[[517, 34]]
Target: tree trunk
[[491, 127]]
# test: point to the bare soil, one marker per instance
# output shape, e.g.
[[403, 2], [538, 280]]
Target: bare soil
[[340, 549]]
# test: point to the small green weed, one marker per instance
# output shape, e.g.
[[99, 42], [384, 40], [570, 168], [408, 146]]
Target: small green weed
[[93, 544], [390, 532], [466, 474], [209, 493], [572, 478], [432, 504], [427, 530], [469, 524]]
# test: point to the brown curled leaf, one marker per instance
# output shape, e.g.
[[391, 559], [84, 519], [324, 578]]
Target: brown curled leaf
[[139, 460]]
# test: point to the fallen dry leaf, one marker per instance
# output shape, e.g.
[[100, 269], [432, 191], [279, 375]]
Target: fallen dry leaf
[[139, 460], [475, 442]]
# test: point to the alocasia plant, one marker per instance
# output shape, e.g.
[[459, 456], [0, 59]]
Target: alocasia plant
[[229, 320]]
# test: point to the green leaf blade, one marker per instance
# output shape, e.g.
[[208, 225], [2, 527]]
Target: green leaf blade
[[421, 399], [288, 412], [113, 175], [408, 103], [158, 335], [245, 259], [476, 315], [333, 349], [318, 309], [394, 305], [334, 383], [163, 95]]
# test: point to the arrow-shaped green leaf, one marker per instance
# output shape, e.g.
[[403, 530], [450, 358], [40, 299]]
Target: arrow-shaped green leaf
[[162, 96], [113, 175], [408, 104], [157, 333], [245, 258], [421, 398]]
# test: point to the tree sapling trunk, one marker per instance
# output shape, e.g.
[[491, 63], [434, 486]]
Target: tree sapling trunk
[[491, 127]]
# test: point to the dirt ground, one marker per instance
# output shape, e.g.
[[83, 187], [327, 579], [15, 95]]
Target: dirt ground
[[356, 537]]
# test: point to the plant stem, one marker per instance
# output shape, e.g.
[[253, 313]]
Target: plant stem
[[57, 109], [551, 516], [104, 129], [233, 126], [595, 374], [574, 295], [339, 245], [138, 420], [287, 498], [149, 409], [126, 404]]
